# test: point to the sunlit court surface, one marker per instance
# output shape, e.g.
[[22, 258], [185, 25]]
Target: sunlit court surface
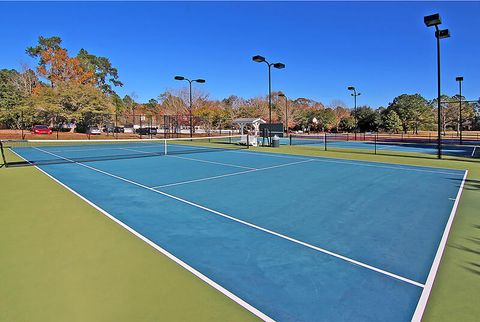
[[289, 237], [236, 161]]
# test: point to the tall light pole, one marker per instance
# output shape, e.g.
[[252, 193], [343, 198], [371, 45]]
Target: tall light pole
[[261, 59], [434, 20], [354, 94], [459, 79], [286, 112], [190, 81]]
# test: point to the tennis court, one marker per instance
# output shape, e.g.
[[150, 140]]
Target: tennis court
[[333, 141], [290, 238]]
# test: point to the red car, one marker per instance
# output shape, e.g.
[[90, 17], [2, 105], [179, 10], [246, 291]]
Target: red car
[[41, 129]]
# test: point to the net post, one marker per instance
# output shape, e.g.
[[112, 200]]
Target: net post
[[325, 139], [376, 134], [248, 141]]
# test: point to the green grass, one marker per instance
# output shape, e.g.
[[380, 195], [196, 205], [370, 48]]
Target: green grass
[[64, 261]]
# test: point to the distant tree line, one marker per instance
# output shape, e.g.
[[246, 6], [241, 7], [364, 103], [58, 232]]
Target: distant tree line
[[80, 90]]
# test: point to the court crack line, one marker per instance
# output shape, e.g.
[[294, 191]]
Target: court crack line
[[296, 241]]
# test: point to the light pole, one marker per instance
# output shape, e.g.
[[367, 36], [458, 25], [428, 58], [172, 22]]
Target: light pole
[[261, 59], [459, 79], [434, 20], [190, 81], [354, 94], [286, 112]]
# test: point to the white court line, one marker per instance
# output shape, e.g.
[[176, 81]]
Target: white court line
[[296, 241], [359, 163], [191, 159], [473, 152], [212, 162], [230, 174], [422, 302], [177, 260]]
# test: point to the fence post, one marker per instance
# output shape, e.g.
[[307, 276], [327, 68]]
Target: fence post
[[115, 126], [56, 122], [325, 139]]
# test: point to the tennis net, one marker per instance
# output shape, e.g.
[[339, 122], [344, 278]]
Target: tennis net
[[42, 152]]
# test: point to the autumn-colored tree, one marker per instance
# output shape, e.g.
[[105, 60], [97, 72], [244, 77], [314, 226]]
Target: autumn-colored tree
[[58, 67], [105, 74]]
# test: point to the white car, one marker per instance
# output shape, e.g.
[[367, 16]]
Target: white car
[[94, 130]]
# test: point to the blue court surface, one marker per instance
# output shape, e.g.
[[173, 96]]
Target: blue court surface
[[427, 148], [298, 238]]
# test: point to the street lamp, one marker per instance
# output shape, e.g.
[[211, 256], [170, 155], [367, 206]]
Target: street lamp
[[190, 81], [286, 111], [354, 94], [459, 79], [434, 20], [261, 59]]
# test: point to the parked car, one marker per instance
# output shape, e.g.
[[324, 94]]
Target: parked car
[[147, 131], [41, 129], [94, 130], [127, 129], [113, 129]]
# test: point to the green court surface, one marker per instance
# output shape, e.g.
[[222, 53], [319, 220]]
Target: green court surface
[[63, 261]]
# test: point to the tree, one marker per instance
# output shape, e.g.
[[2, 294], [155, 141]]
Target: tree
[[413, 111], [325, 118], [105, 74], [44, 44], [340, 113], [368, 120], [391, 121], [59, 67], [346, 124], [82, 105], [16, 107]]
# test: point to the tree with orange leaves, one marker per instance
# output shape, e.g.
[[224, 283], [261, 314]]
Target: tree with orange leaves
[[58, 67]]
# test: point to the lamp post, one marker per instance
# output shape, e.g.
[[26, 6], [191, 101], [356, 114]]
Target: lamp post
[[434, 20], [286, 111], [261, 59], [190, 81], [459, 79], [354, 94]]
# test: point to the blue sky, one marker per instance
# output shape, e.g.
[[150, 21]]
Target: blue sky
[[382, 48]]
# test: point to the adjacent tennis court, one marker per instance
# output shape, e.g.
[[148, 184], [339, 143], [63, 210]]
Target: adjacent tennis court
[[288, 237], [378, 144]]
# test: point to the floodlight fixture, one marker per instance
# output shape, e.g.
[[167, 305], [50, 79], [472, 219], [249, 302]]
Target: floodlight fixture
[[261, 59], [442, 34], [432, 20], [190, 81], [258, 59]]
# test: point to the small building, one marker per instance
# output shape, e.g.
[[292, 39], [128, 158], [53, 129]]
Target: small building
[[249, 129]]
